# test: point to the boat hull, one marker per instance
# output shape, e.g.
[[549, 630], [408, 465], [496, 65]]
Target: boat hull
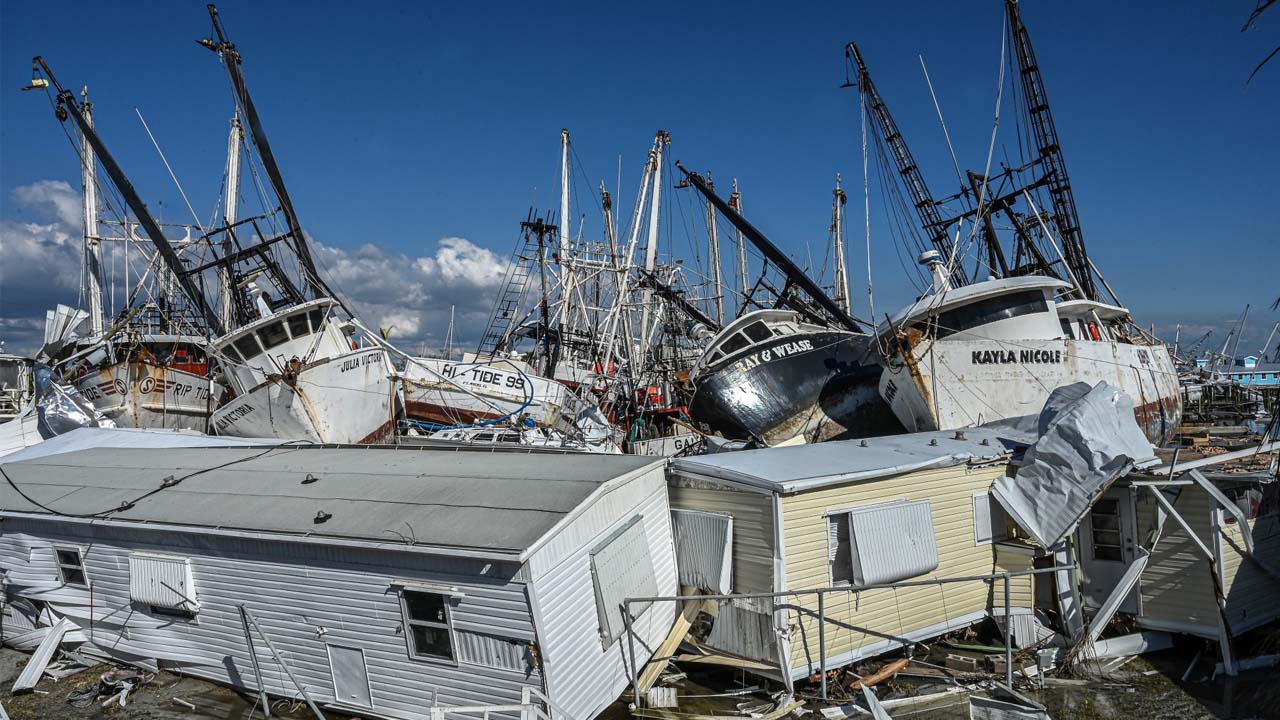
[[444, 392], [796, 388], [954, 383], [136, 394], [347, 399]]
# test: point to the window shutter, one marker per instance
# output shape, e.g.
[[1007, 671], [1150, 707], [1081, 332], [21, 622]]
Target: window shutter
[[982, 527], [891, 542]]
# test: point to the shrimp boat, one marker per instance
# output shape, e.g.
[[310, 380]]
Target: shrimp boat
[[447, 392], [293, 369], [296, 370], [786, 376], [970, 352], [150, 368], [996, 349]]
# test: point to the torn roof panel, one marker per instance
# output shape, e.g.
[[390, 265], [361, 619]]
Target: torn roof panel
[[1088, 438]]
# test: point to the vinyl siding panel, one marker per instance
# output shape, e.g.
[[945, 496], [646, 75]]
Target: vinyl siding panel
[[855, 619], [304, 597], [752, 528], [582, 675], [1177, 586]]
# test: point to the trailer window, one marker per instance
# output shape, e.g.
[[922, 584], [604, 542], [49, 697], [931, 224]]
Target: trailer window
[[71, 567], [427, 624], [162, 583], [886, 542], [989, 520]]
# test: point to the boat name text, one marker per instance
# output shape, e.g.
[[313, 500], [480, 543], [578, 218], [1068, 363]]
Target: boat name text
[[1009, 357], [775, 352]]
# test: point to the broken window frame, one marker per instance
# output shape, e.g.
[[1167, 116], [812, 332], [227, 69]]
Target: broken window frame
[[409, 621], [77, 566]]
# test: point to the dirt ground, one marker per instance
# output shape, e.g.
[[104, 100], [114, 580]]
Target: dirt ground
[[154, 701], [1147, 688]]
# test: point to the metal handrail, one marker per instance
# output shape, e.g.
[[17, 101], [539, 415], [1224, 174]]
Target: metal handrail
[[822, 592]]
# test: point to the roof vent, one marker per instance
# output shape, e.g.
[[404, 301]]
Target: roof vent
[[960, 435], [933, 441], [309, 479], [321, 516]]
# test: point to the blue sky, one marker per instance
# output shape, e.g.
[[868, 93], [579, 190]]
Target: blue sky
[[404, 124]]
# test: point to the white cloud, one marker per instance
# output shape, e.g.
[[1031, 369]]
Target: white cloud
[[41, 267], [412, 295]]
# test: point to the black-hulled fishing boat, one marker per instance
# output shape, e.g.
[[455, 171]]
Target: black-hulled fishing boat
[[783, 376]]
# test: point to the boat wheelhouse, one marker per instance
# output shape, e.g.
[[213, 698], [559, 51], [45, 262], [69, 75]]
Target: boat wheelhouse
[[296, 374], [772, 377], [966, 356]]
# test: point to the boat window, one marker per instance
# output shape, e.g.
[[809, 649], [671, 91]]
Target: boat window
[[317, 317], [71, 567], [757, 331], [231, 352], [735, 343], [509, 438], [483, 437], [1066, 328], [273, 335], [248, 347], [298, 325], [1004, 307], [426, 617]]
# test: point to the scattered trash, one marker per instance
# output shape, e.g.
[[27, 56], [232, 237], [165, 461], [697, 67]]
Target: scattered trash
[[116, 684], [1006, 704], [184, 703], [661, 697]]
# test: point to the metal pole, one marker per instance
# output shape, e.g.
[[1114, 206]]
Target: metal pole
[[822, 641], [253, 655], [280, 660], [631, 650], [1008, 637]]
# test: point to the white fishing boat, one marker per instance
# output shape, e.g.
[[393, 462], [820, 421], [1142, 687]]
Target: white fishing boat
[[961, 357], [296, 375], [155, 381], [448, 392]]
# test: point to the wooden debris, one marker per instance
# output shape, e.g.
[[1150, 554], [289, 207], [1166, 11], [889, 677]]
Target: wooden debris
[[883, 673]]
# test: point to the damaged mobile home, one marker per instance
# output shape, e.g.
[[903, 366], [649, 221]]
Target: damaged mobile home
[[822, 555], [377, 581]]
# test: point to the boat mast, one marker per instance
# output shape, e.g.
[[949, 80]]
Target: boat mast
[[794, 274], [92, 242], [713, 256], [926, 207], [232, 60], [735, 202], [1050, 155], [651, 247], [841, 295], [68, 105], [230, 212]]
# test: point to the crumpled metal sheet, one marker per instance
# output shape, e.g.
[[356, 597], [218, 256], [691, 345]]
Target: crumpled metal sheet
[[1088, 437], [61, 407]]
